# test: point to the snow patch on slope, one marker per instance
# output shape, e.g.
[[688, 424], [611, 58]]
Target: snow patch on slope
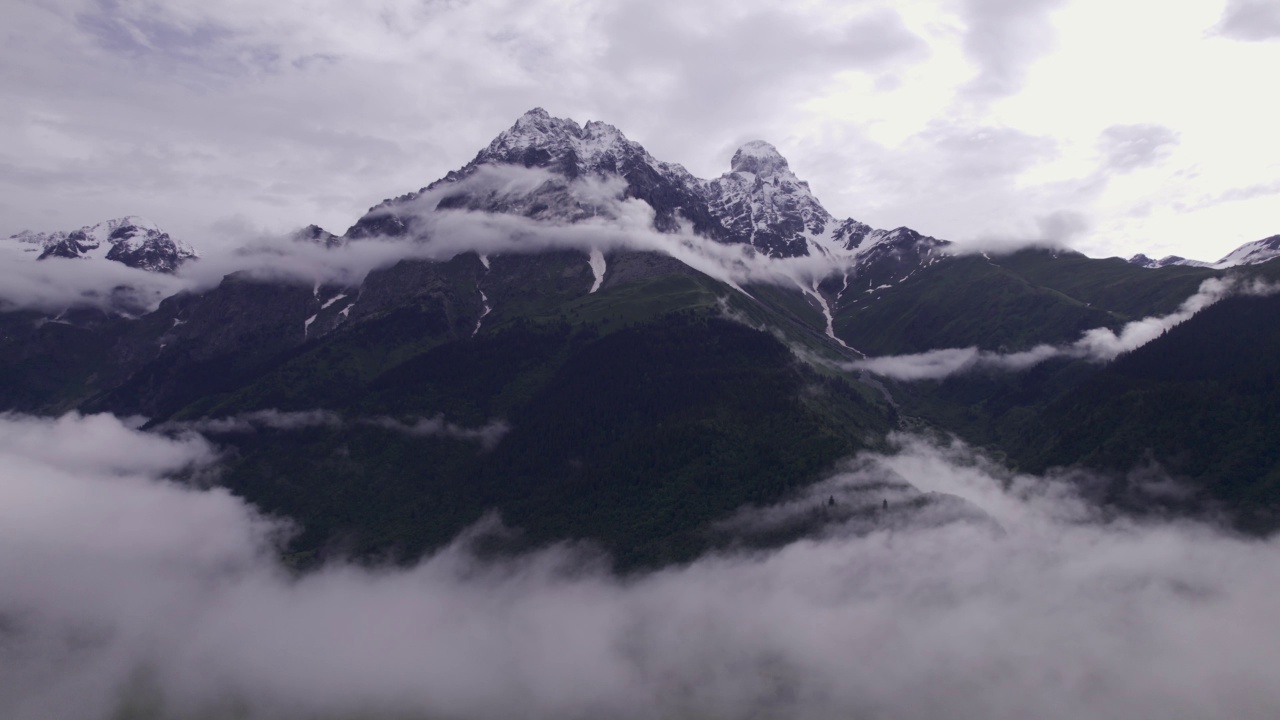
[[598, 268]]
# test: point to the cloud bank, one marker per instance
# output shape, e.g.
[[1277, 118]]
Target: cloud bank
[[119, 589], [1096, 345]]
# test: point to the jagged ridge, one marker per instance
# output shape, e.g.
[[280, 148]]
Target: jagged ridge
[[759, 202], [128, 240]]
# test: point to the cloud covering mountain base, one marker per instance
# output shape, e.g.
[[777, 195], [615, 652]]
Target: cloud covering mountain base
[[120, 588]]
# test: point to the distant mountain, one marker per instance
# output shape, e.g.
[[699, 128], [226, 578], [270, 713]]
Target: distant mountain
[[760, 202], [1258, 251], [1168, 260], [318, 235], [129, 240], [1251, 253]]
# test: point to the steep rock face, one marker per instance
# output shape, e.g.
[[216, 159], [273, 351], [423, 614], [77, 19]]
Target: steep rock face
[[318, 235], [128, 240], [894, 255], [574, 161], [761, 202]]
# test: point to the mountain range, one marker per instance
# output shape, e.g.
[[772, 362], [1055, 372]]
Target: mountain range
[[598, 345], [1250, 253], [130, 240]]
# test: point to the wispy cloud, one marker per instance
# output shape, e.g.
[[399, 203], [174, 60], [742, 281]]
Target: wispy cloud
[[488, 435], [1096, 345], [1253, 20], [256, 420]]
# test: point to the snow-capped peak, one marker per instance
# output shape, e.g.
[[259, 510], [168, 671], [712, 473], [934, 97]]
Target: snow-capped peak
[[1143, 261], [570, 152], [130, 240], [762, 201], [759, 202], [759, 158], [539, 140], [1250, 253]]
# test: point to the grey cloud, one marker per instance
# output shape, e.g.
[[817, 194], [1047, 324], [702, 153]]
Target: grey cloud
[[1129, 147], [938, 364], [956, 178], [161, 45], [130, 589], [1250, 20], [1247, 192], [699, 73], [101, 444], [986, 152], [55, 284], [1003, 37], [1059, 227], [224, 131]]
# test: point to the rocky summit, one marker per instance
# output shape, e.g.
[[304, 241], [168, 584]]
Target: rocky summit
[[550, 168], [129, 240]]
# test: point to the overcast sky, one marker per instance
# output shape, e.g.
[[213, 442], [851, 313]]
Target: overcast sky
[[1116, 127]]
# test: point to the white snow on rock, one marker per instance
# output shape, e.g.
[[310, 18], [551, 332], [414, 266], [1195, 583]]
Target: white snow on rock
[[552, 169], [1250, 253], [484, 300], [813, 292], [597, 267], [130, 240]]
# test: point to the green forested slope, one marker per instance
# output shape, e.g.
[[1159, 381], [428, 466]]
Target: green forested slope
[[635, 439], [1008, 302]]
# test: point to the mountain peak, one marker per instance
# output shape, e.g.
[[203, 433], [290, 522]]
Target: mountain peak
[[759, 158], [130, 240]]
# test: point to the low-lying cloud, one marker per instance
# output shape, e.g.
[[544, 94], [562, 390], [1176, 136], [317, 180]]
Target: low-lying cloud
[[119, 589], [488, 435], [257, 420], [1096, 345]]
